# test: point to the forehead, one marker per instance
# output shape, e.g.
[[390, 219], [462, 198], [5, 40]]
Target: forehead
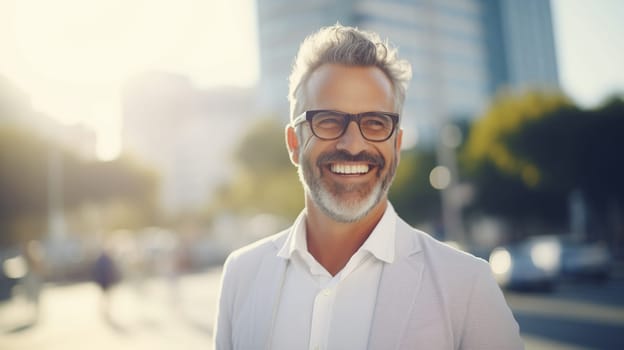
[[350, 89]]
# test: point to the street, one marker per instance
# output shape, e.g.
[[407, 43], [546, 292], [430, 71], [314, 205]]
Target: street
[[575, 316], [161, 314]]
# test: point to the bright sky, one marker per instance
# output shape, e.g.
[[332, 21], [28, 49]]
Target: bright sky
[[590, 46], [71, 56]]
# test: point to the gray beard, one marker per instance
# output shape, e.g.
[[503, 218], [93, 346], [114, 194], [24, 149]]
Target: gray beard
[[327, 196]]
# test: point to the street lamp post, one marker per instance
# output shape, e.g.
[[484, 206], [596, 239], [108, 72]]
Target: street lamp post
[[56, 220], [449, 139]]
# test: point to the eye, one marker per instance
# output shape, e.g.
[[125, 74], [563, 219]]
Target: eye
[[375, 122], [328, 120]]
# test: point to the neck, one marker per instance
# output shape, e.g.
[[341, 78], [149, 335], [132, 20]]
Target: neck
[[333, 243]]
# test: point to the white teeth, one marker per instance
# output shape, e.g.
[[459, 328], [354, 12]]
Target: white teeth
[[349, 169]]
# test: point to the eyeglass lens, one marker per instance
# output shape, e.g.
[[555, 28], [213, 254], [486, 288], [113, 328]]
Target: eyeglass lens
[[331, 125]]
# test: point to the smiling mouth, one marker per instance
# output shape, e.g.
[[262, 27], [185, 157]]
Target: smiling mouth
[[349, 169]]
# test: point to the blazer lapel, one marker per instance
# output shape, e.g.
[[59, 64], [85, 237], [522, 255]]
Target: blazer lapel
[[397, 293]]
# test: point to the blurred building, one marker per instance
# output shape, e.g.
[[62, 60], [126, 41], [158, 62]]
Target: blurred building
[[461, 51], [183, 132], [521, 44]]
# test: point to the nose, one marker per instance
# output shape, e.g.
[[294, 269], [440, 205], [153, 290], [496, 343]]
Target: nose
[[352, 140]]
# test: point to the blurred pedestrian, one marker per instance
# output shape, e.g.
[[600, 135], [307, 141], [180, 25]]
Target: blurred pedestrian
[[106, 274], [349, 273]]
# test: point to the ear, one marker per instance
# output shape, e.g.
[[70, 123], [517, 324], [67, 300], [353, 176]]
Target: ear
[[292, 143]]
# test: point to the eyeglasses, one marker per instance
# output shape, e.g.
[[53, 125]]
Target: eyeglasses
[[330, 125]]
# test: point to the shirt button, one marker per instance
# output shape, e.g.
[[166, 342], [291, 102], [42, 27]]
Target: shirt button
[[326, 292]]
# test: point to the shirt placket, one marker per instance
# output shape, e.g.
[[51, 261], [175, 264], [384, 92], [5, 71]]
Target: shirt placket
[[322, 313]]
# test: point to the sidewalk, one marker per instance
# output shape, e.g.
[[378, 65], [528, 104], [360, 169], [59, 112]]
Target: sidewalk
[[159, 316]]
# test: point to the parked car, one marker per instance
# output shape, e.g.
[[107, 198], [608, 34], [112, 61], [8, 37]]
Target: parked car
[[12, 268], [533, 263], [591, 261], [543, 261]]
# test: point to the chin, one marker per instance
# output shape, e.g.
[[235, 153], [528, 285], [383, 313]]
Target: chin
[[350, 210]]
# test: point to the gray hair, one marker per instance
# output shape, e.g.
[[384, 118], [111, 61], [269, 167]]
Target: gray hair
[[349, 46]]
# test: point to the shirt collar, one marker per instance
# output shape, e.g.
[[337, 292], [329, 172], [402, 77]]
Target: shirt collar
[[296, 240], [380, 243]]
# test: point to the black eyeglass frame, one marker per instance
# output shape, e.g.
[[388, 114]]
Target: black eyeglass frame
[[309, 115]]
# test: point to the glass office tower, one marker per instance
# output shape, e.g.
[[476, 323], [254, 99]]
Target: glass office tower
[[461, 51]]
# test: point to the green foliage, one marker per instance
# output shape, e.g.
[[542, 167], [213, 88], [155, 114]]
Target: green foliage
[[510, 181], [121, 178], [266, 181], [488, 141], [263, 149], [24, 171], [411, 193], [25, 158], [23, 189], [526, 167], [578, 149], [499, 194]]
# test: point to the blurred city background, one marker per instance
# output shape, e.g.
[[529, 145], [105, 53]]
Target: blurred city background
[[142, 141]]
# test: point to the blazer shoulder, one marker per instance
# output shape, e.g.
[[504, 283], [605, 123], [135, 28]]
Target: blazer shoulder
[[478, 314], [445, 258], [253, 253]]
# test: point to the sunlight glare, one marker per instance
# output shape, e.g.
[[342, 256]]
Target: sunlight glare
[[440, 177], [72, 56]]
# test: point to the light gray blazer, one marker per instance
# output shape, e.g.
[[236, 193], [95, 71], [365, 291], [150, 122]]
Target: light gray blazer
[[431, 297]]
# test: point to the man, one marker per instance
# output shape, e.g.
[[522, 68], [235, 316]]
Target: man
[[349, 273]]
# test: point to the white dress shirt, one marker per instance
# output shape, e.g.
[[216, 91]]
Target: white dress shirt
[[319, 311]]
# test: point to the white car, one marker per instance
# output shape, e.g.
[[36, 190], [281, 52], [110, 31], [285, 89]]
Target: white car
[[542, 261], [534, 263]]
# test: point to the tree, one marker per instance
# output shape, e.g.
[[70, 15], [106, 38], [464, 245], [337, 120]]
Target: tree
[[266, 181], [411, 193], [122, 187], [510, 182], [24, 171], [578, 150], [531, 151], [23, 186], [121, 178], [24, 175]]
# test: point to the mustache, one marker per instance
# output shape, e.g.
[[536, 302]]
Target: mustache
[[343, 156]]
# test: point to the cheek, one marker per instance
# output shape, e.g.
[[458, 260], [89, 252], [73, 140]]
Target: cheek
[[307, 141], [312, 148], [390, 153], [308, 158]]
